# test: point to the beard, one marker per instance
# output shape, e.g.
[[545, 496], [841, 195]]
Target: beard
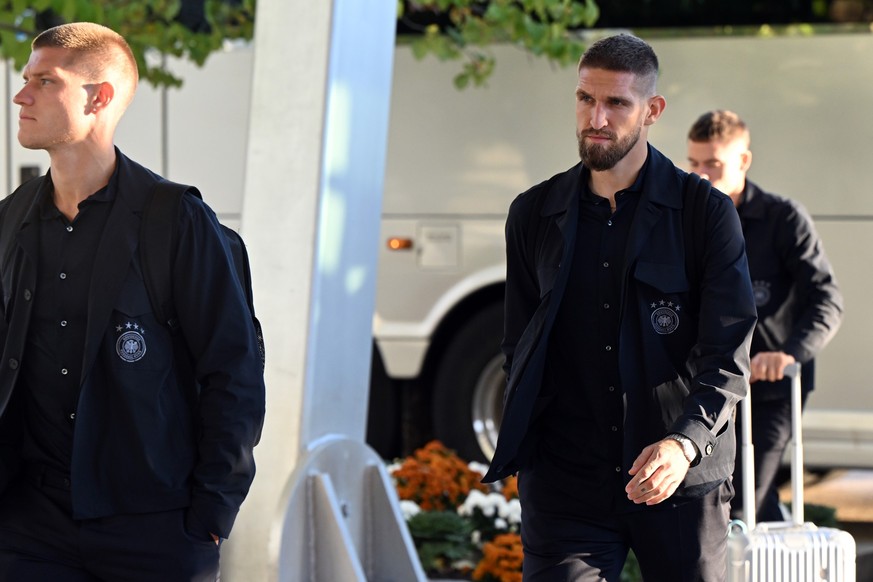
[[604, 157]]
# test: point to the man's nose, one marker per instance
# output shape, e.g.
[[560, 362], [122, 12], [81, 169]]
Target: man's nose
[[21, 98], [598, 117]]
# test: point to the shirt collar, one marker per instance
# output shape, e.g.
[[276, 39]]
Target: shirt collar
[[636, 187], [48, 210]]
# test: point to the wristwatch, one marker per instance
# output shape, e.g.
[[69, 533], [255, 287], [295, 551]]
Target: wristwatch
[[688, 448]]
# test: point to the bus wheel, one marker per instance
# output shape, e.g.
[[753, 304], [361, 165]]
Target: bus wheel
[[469, 385]]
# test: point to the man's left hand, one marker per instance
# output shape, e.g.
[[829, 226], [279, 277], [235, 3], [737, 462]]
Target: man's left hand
[[657, 472]]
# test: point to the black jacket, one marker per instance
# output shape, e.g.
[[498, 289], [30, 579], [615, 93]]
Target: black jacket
[[800, 306], [688, 381], [146, 437]]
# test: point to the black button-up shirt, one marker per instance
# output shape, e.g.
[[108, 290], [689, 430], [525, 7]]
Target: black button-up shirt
[[581, 430], [52, 361]]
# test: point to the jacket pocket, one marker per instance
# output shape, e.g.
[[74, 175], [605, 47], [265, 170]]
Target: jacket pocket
[[135, 339], [664, 278]]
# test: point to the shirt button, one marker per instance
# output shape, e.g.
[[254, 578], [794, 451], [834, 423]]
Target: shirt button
[[72, 416], [608, 348], [13, 363], [63, 275], [69, 229], [605, 264], [63, 323], [606, 305], [608, 223], [615, 429], [618, 469], [64, 371], [611, 388], [27, 294], [708, 449]]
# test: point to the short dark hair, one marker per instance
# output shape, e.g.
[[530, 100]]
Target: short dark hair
[[718, 125], [623, 53]]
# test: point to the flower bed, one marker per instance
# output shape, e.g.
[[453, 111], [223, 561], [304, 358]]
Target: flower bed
[[462, 528]]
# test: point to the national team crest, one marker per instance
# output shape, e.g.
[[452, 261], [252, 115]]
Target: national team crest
[[761, 290], [131, 345], [665, 317]]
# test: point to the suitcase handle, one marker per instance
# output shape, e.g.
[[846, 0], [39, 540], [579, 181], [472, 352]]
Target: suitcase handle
[[748, 453]]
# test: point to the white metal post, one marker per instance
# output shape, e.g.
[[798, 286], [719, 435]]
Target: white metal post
[[321, 506]]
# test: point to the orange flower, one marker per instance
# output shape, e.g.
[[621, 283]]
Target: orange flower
[[436, 478], [510, 487], [501, 559]]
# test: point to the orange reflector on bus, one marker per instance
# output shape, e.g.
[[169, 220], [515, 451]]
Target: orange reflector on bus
[[396, 243]]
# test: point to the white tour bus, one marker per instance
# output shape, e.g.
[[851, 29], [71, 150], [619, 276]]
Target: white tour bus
[[456, 159]]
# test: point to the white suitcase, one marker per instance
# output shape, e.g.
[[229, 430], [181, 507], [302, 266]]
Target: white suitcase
[[790, 551]]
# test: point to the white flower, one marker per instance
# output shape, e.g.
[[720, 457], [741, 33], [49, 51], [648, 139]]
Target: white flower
[[480, 468], [500, 523], [491, 505], [474, 499], [476, 536], [409, 509], [513, 511], [391, 467]]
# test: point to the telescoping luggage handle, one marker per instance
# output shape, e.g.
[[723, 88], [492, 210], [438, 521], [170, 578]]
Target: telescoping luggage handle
[[748, 453]]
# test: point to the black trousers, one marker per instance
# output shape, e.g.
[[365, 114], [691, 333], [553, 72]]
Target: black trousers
[[771, 433], [681, 543], [40, 542]]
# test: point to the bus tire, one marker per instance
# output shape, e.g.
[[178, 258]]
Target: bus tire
[[468, 387]]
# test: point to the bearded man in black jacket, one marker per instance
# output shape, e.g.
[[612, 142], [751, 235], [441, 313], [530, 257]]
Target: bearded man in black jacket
[[623, 369]]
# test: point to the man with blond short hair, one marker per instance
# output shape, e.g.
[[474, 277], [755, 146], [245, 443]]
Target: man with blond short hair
[[798, 302], [125, 446]]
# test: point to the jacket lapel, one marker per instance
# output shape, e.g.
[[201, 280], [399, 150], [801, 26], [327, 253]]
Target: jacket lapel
[[114, 255], [661, 188]]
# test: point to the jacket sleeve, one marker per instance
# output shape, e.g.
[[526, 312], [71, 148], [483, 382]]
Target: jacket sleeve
[[814, 284], [719, 360], [522, 290], [217, 327]]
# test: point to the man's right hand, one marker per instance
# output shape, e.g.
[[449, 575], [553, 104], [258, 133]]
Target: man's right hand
[[770, 366]]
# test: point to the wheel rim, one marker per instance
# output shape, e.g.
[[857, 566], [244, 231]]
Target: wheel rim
[[488, 405]]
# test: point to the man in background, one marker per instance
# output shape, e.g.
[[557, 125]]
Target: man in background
[[799, 304]]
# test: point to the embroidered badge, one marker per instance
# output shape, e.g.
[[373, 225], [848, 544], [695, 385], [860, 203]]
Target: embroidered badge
[[761, 290], [665, 316], [131, 346]]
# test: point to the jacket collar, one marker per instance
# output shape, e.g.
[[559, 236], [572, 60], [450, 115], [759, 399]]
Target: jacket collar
[[752, 202], [116, 250], [659, 172]]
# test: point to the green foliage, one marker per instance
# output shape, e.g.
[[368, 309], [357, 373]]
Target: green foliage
[[149, 26], [542, 27], [441, 538], [631, 571], [820, 515]]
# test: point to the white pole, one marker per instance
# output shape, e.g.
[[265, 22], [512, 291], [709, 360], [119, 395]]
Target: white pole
[[316, 158]]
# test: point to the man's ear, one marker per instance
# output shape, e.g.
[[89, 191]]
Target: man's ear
[[657, 104], [746, 160], [99, 96]]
